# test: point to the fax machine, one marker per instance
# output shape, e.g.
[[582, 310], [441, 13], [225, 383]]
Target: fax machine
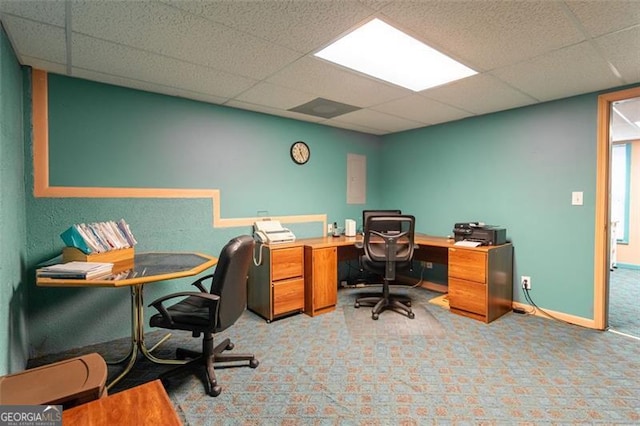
[[486, 235]]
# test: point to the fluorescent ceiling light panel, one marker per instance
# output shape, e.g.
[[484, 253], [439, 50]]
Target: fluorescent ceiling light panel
[[381, 51]]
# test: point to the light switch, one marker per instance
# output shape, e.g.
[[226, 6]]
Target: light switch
[[576, 198]]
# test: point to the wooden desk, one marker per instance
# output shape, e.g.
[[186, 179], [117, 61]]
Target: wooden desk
[[144, 269], [147, 404], [480, 279]]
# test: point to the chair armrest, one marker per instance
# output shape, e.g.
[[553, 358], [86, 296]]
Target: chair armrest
[[158, 303], [198, 283]]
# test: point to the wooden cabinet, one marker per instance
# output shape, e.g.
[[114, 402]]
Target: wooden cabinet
[[321, 279], [276, 287], [481, 281]]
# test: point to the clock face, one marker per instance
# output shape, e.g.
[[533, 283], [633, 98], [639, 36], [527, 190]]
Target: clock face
[[300, 152]]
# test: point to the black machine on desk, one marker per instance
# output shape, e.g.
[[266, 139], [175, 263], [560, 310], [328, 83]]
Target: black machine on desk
[[487, 235]]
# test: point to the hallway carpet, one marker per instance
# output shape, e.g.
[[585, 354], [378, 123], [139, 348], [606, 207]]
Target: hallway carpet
[[624, 301]]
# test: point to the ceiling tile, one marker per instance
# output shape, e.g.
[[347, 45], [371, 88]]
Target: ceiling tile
[[272, 111], [487, 34], [622, 49], [332, 82], [585, 71], [145, 86], [46, 11], [299, 25], [122, 61], [479, 94], [422, 110], [36, 40], [351, 126], [275, 96], [389, 123], [178, 34], [602, 17]]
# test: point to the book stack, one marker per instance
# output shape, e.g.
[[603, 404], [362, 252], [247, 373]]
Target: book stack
[[76, 270], [99, 237]]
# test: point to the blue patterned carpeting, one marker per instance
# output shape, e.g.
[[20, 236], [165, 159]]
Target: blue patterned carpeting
[[624, 301], [343, 368]]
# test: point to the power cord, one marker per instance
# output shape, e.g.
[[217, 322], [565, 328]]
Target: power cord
[[258, 261], [536, 307], [421, 280]]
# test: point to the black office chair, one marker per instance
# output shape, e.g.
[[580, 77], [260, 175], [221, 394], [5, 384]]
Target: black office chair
[[210, 312], [388, 247]]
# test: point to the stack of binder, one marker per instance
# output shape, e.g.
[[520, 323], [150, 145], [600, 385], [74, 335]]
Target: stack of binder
[[76, 270]]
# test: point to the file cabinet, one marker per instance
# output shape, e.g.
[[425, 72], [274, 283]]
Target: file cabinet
[[481, 281], [276, 286]]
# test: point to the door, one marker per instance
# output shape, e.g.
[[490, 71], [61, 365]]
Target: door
[[603, 204]]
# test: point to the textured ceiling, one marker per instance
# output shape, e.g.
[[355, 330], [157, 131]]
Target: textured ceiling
[[258, 55]]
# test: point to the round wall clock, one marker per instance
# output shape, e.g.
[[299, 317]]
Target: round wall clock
[[300, 152]]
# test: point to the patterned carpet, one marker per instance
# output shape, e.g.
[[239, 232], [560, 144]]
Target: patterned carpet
[[624, 301], [343, 368]]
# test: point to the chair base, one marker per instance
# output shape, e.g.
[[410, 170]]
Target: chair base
[[386, 301], [207, 358]]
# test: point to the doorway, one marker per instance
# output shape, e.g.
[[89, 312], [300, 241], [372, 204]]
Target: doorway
[[612, 301]]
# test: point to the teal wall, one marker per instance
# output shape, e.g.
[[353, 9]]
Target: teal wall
[[13, 249], [107, 136], [516, 169]]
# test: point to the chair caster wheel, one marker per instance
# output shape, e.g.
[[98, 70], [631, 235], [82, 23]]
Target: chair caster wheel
[[230, 346], [215, 390], [254, 363], [356, 305], [375, 316], [411, 315]]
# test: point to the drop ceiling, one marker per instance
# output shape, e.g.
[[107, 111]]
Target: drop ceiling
[[258, 55]]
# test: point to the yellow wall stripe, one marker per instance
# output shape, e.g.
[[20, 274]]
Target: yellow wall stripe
[[41, 188]]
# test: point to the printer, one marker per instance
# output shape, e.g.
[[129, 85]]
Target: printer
[[486, 235]]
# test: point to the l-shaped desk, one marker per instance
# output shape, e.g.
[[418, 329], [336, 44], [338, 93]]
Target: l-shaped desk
[[303, 276]]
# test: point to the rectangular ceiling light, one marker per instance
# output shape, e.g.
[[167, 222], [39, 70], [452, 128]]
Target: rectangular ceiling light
[[381, 51]]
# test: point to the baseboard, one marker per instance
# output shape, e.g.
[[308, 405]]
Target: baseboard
[[573, 319]]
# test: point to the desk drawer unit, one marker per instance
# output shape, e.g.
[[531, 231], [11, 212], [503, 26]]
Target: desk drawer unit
[[481, 281], [468, 296], [286, 263], [276, 287]]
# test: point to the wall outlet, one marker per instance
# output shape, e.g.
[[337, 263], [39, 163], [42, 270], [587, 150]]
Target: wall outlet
[[429, 265], [330, 228], [526, 282]]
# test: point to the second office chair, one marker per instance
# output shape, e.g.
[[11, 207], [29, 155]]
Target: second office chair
[[388, 247]]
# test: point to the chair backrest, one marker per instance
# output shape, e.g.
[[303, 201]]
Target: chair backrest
[[393, 246], [230, 279], [381, 226]]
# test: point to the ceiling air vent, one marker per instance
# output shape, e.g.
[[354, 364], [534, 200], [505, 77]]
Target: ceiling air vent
[[320, 107]]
